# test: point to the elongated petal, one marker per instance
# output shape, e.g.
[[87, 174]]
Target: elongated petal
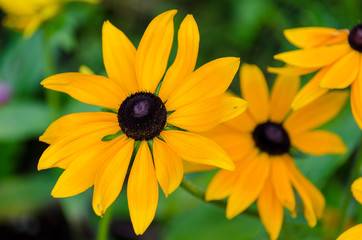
[[168, 165], [184, 64], [142, 190], [91, 89], [62, 151], [289, 70], [353, 233], [270, 210], [311, 91], [357, 189], [319, 142], [198, 149], [191, 167], [309, 37], [243, 123], [310, 116], [119, 56], [221, 185], [154, 50], [111, 174], [248, 186], [356, 100], [313, 200], [81, 173], [282, 185], [315, 57], [210, 80], [284, 90], [343, 72], [205, 115], [71, 122], [255, 91]]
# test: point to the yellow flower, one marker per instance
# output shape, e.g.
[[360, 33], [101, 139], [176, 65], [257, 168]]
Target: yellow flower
[[157, 113], [336, 54], [27, 15], [355, 232], [259, 142]]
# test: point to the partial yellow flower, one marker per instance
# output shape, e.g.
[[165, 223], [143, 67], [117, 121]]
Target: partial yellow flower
[[355, 232], [335, 54], [27, 15], [259, 142], [154, 115]]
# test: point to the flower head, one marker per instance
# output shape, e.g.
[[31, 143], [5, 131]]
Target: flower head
[[27, 16], [356, 231], [259, 142], [335, 54], [152, 114]]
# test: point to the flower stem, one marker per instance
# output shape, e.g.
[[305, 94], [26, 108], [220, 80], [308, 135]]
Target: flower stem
[[196, 192], [104, 225], [356, 166]]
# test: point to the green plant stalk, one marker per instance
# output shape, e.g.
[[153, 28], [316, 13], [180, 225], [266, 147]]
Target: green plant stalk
[[104, 225], [356, 166], [196, 192]]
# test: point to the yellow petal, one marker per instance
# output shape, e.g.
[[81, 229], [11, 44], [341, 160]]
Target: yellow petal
[[282, 185], [142, 190], [91, 89], [249, 185], [184, 64], [357, 189], [111, 174], [283, 92], [270, 210], [190, 167], [311, 91], [243, 123], [309, 37], [353, 233], [356, 100], [319, 142], [119, 56], [291, 70], [221, 185], [255, 91], [71, 122], [62, 151], [154, 50], [312, 198], [81, 173], [210, 80], [310, 116], [315, 57], [343, 72], [205, 115], [168, 165], [198, 149]]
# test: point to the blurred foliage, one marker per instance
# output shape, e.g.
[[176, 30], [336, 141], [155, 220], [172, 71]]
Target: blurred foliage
[[249, 29]]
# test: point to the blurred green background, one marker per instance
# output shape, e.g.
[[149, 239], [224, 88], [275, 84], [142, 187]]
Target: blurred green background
[[249, 29]]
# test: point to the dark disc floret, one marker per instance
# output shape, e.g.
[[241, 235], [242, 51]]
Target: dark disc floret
[[271, 138], [355, 37], [142, 116]]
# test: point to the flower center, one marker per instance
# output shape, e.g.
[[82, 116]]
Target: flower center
[[142, 116], [355, 37], [271, 138]]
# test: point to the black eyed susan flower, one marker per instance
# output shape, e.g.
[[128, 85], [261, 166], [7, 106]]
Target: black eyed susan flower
[[155, 115], [355, 232], [259, 142], [27, 16], [336, 54]]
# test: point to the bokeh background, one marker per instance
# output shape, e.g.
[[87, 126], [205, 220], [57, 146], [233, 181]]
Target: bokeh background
[[249, 29]]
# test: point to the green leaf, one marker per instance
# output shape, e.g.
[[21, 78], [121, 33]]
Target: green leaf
[[112, 136], [110, 110]]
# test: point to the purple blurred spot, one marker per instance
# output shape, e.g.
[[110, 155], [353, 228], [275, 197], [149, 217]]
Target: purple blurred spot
[[5, 92]]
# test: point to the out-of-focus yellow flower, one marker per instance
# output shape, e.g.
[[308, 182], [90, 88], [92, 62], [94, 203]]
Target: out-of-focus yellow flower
[[158, 114], [336, 54], [259, 141], [354, 233], [27, 15]]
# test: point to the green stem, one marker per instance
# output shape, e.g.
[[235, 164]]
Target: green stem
[[356, 166], [196, 192], [104, 225]]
